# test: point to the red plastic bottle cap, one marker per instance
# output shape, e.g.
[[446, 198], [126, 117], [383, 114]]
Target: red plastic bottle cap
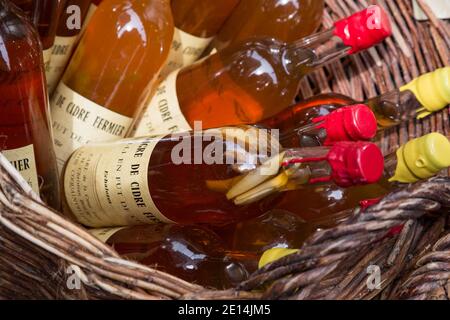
[[351, 123], [364, 29], [355, 163]]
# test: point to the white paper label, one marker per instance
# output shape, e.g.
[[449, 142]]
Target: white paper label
[[25, 163], [103, 234], [163, 114], [47, 58], [441, 8], [106, 185], [62, 50], [77, 121], [185, 50]]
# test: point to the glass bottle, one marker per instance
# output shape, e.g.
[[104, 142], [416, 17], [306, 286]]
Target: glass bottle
[[111, 74], [274, 229], [419, 159], [25, 136], [193, 253], [255, 80], [346, 123], [214, 177], [424, 95], [196, 24], [285, 21], [280, 229], [67, 34], [45, 15]]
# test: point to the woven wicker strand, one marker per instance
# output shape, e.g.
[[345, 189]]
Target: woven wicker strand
[[41, 252], [27, 222], [329, 267], [431, 277]]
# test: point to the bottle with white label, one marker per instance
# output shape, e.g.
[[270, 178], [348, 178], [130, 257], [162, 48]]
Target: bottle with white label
[[67, 34], [217, 176], [196, 24], [256, 79], [111, 74], [25, 136]]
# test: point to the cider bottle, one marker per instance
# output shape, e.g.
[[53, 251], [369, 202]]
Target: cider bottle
[[252, 81], [283, 229], [419, 98], [215, 177], [192, 253], [418, 159], [111, 74], [196, 24], [274, 229], [285, 21], [45, 15], [67, 35], [346, 123], [25, 136]]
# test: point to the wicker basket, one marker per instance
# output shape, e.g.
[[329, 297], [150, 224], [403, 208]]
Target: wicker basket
[[40, 251]]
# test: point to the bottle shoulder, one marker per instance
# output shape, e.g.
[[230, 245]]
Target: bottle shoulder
[[148, 15], [260, 59]]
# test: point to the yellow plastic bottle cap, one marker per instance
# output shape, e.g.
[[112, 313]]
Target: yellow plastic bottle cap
[[274, 254], [422, 158], [432, 90]]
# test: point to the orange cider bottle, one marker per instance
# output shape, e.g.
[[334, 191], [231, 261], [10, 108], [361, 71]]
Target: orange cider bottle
[[254, 80], [25, 135], [418, 159], [111, 74], [215, 177], [45, 16], [192, 253]]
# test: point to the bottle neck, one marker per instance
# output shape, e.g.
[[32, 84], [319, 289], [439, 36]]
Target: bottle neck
[[308, 166], [314, 51], [394, 107], [287, 171], [309, 135]]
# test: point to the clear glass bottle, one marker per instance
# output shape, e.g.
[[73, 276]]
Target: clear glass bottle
[[424, 95], [111, 74], [274, 229], [192, 253], [255, 80], [25, 136], [419, 159], [45, 15], [214, 177], [273, 234]]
